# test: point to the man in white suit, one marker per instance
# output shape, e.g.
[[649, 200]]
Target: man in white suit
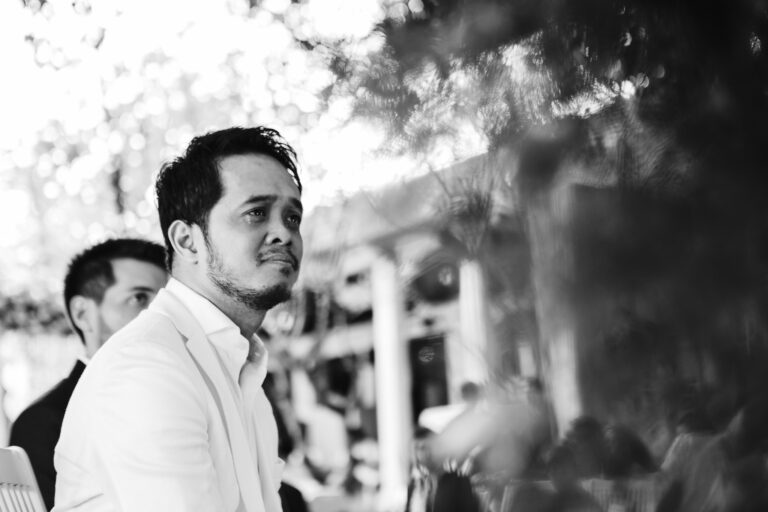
[[170, 414]]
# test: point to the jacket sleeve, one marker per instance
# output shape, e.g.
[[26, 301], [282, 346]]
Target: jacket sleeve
[[149, 445]]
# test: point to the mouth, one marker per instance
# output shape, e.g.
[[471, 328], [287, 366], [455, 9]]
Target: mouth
[[281, 258]]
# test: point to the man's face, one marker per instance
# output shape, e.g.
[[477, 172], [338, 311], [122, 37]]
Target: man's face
[[136, 284], [254, 247]]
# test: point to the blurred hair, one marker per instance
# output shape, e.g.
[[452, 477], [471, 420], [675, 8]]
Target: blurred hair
[[626, 452], [188, 187], [584, 429], [90, 273], [585, 437]]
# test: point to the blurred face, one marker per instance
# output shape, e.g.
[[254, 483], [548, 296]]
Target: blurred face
[[254, 247], [136, 284]]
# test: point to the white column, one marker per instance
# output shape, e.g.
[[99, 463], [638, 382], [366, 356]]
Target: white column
[[548, 217], [468, 361], [393, 383], [566, 399]]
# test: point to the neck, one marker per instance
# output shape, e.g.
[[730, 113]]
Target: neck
[[247, 319]]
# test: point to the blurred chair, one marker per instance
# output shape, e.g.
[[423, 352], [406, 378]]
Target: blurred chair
[[640, 494], [527, 496], [18, 487]]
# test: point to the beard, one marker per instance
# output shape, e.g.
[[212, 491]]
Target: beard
[[261, 299]]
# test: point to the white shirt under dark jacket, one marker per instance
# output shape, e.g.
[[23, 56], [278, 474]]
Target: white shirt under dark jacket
[[170, 416]]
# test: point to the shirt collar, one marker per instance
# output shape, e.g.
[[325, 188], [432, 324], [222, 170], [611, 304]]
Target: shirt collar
[[223, 333], [210, 318]]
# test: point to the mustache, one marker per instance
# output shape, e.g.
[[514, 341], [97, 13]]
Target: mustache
[[279, 255]]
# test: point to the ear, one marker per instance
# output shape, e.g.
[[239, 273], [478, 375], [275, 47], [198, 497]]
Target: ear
[[184, 240], [84, 312]]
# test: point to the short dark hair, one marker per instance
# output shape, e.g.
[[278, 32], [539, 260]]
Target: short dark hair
[[188, 187], [90, 273]]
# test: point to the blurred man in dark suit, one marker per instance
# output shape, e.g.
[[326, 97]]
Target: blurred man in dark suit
[[106, 287]]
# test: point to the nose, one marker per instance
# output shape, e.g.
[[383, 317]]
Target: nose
[[278, 233]]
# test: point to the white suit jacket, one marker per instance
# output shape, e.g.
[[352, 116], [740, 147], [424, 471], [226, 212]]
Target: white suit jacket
[[153, 425]]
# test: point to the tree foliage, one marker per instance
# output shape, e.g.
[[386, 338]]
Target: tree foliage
[[694, 69], [97, 95]]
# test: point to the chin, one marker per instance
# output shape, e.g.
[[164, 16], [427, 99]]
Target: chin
[[276, 279], [266, 298], [262, 290], [279, 270]]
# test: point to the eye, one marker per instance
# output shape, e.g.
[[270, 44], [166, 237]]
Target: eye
[[139, 299], [293, 219], [256, 212]]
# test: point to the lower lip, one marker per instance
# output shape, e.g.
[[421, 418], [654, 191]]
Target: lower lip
[[280, 262]]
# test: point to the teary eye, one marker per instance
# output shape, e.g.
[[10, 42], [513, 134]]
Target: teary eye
[[294, 218], [256, 212]]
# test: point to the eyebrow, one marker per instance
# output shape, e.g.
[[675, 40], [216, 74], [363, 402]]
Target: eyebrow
[[141, 288], [271, 198]]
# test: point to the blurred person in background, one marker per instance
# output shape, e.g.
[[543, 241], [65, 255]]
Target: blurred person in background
[[500, 438], [423, 476], [455, 492], [437, 417], [609, 451], [521, 436], [106, 286], [569, 495], [326, 435], [626, 454], [585, 438], [729, 471], [693, 432], [170, 415], [276, 389]]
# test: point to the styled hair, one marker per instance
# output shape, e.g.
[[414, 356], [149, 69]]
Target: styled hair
[[90, 273], [188, 187]]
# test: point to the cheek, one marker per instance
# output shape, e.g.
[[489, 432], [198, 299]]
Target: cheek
[[298, 243], [117, 316]]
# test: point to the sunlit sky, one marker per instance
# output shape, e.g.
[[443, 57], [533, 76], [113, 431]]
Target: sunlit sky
[[136, 79]]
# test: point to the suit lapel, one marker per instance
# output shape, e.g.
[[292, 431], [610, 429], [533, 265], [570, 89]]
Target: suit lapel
[[250, 382], [211, 370]]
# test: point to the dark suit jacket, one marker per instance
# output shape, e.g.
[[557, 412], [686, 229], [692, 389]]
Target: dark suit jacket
[[291, 499], [38, 427]]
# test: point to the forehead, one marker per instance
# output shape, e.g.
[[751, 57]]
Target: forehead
[[244, 176], [131, 273]]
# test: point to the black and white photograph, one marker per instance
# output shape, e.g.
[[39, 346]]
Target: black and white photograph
[[383, 256]]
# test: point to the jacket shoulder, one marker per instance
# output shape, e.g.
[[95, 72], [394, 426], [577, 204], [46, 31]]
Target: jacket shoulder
[[149, 330]]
